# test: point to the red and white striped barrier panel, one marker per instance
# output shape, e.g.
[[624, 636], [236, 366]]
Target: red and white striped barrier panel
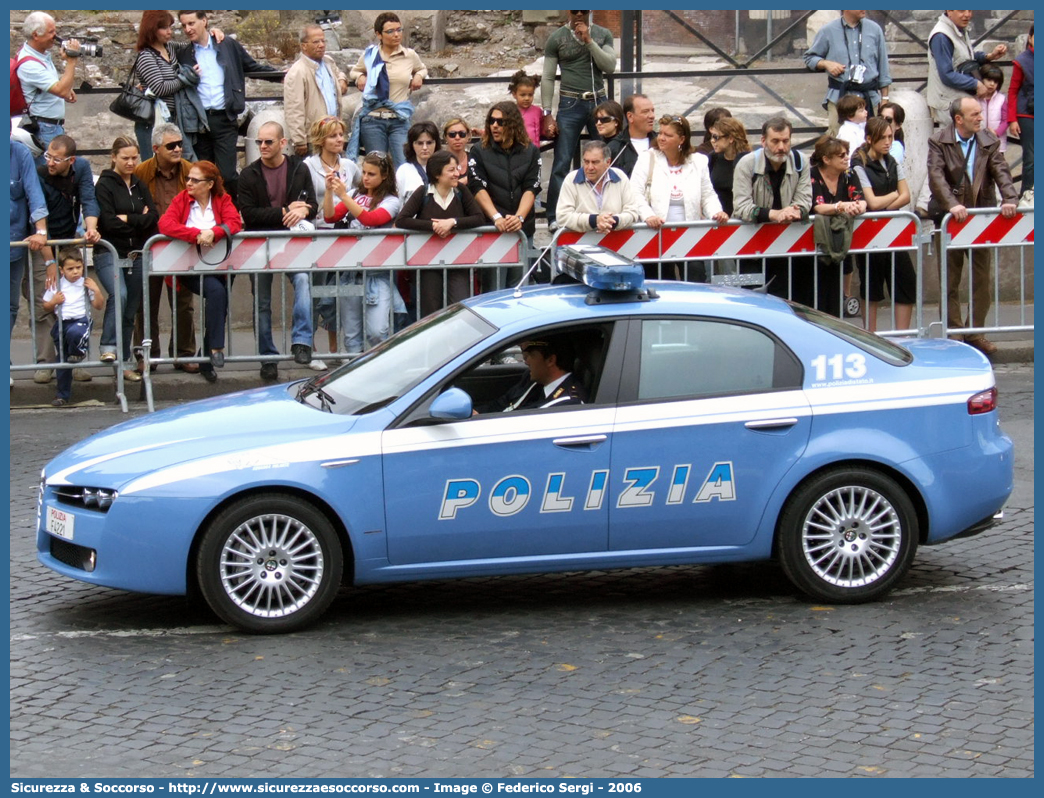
[[464, 249], [341, 251], [982, 229], [744, 240]]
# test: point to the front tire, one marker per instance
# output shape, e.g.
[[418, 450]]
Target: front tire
[[269, 564], [847, 535]]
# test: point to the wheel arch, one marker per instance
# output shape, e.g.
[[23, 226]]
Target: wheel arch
[[908, 486], [348, 552]]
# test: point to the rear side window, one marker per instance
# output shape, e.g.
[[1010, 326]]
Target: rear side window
[[874, 344], [696, 357]]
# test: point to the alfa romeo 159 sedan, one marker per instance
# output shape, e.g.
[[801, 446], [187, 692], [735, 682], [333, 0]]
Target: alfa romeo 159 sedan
[[704, 424]]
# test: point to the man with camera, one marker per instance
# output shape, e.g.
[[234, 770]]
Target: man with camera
[[45, 91], [852, 51]]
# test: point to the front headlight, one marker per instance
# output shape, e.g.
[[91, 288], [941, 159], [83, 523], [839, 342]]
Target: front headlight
[[91, 498]]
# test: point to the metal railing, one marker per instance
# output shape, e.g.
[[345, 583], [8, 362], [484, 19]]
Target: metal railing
[[980, 238], [345, 253]]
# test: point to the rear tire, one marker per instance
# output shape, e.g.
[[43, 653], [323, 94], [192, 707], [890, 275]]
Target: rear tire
[[269, 564], [847, 535]]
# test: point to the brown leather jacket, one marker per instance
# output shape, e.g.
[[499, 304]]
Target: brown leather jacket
[[946, 160]]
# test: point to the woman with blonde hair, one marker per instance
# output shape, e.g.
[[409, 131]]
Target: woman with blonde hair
[[457, 134], [327, 137]]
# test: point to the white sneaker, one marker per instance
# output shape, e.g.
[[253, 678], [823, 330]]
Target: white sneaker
[[317, 365]]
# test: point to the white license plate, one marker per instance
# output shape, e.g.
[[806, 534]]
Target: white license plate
[[60, 523]]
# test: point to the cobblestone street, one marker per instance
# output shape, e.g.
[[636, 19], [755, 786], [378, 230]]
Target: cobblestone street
[[685, 671]]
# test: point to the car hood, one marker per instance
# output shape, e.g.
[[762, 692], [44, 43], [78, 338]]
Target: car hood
[[246, 421]]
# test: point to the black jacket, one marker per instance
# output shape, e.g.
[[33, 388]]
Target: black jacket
[[114, 199], [255, 204], [506, 175], [236, 62], [628, 156]]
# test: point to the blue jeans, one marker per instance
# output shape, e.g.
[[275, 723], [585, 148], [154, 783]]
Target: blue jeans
[[385, 135], [71, 338], [1026, 137], [302, 311], [573, 116], [17, 270], [366, 318], [47, 131], [130, 299]]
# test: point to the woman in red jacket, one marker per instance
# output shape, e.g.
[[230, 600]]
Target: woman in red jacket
[[203, 214]]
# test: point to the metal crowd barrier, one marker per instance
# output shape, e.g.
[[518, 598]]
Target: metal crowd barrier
[[985, 229], [722, 248], [337, 252], [35, 290]]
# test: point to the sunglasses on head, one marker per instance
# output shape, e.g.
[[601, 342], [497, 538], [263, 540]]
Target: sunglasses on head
[[170, 146], [666, 120], [264, 142], [604, 120], [457, 134]]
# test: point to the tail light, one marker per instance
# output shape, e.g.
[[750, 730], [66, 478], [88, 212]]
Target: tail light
[[983, 402]]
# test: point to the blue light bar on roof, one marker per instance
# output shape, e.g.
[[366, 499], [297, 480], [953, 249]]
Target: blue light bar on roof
[[600, 268]]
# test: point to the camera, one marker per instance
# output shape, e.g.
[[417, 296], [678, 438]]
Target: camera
[[328, 20], [91, 49]]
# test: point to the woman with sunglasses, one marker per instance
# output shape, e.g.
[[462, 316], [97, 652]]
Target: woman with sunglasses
[[127, 219], [676, 184], [884, 189], [440, 208], [728, 139], [609, 122], [326, 135], [367, 319], [386, 73], [204, 214], [710, 118], [457, 133], [422, 141]]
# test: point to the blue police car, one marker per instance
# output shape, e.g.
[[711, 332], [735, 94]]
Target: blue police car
[[549, 428]]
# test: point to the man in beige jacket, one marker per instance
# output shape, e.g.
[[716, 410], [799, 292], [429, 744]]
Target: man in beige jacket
[[599, 198], [312, 89]]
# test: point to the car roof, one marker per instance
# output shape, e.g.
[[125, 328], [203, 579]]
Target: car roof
[[555, 303]]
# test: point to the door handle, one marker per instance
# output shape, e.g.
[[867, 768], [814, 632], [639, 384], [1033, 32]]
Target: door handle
[[584, 440], [771, 423]]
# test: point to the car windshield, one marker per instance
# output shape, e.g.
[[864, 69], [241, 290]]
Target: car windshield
[[867, 341], [395, 366]]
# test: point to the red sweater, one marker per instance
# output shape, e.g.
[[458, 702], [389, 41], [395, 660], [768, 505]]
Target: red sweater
[[172, 223]]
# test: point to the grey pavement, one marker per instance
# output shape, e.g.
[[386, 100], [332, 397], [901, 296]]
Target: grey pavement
[[684, 671]]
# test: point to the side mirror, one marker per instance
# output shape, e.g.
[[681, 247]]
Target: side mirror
[[451, 404]]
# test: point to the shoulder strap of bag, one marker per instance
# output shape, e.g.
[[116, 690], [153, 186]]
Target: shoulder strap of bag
[[227, 238]]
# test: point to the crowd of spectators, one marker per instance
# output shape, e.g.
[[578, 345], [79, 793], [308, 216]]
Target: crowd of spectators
[[382, 169]]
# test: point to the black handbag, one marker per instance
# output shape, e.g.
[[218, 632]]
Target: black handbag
[[131, 103], [227, 238]]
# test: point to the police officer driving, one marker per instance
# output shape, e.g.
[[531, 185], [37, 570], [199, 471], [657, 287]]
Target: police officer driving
[[548, 384]]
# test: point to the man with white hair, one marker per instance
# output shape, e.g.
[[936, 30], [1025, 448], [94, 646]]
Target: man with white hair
[[45, 92]]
